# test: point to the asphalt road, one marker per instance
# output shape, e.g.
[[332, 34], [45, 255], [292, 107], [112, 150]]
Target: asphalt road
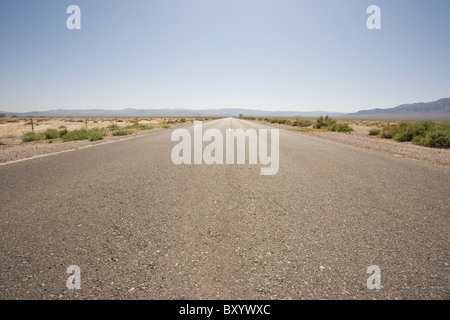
[[140, 227]]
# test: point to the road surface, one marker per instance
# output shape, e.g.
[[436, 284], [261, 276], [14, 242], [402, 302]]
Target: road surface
[[140, 227]]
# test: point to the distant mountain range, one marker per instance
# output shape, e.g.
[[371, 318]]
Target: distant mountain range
[[436, 110], [171, 113]]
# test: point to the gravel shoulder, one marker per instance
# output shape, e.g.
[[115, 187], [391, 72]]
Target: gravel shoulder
[[360, 138]]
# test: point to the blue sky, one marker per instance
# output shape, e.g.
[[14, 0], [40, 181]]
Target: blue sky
[[258, 54]]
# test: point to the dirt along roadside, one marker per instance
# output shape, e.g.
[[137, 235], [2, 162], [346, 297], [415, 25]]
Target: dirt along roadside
[[360, 138]]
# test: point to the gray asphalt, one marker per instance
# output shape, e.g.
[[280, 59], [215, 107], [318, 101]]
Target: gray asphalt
[[141, 227]]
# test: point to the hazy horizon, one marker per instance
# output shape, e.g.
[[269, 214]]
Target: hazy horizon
[[207, 108], [264, 55]]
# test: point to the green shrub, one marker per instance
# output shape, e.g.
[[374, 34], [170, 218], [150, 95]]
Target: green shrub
[[63, 132], [425, 133], [340, 127], [411, 130], [2, 143], [324, 122], [139, 127], [145, 127], [330, 124], [165, 126], [122, 132], [83, 134], [113, 127], [374, 132], [32, 136], [96, 134], [389, 131], [51, 134], [46, 135], [301, 123], [437, 137], [74, 135]]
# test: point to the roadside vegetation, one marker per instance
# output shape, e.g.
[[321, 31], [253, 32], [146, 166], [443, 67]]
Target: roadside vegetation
[[122, 132], [425, 133], [138, 126], [46, 135], [83, 134], [116, 127], [321, 124], [330, 124]]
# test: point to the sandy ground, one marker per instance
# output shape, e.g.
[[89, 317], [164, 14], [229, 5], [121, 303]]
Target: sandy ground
[[10, 132]]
